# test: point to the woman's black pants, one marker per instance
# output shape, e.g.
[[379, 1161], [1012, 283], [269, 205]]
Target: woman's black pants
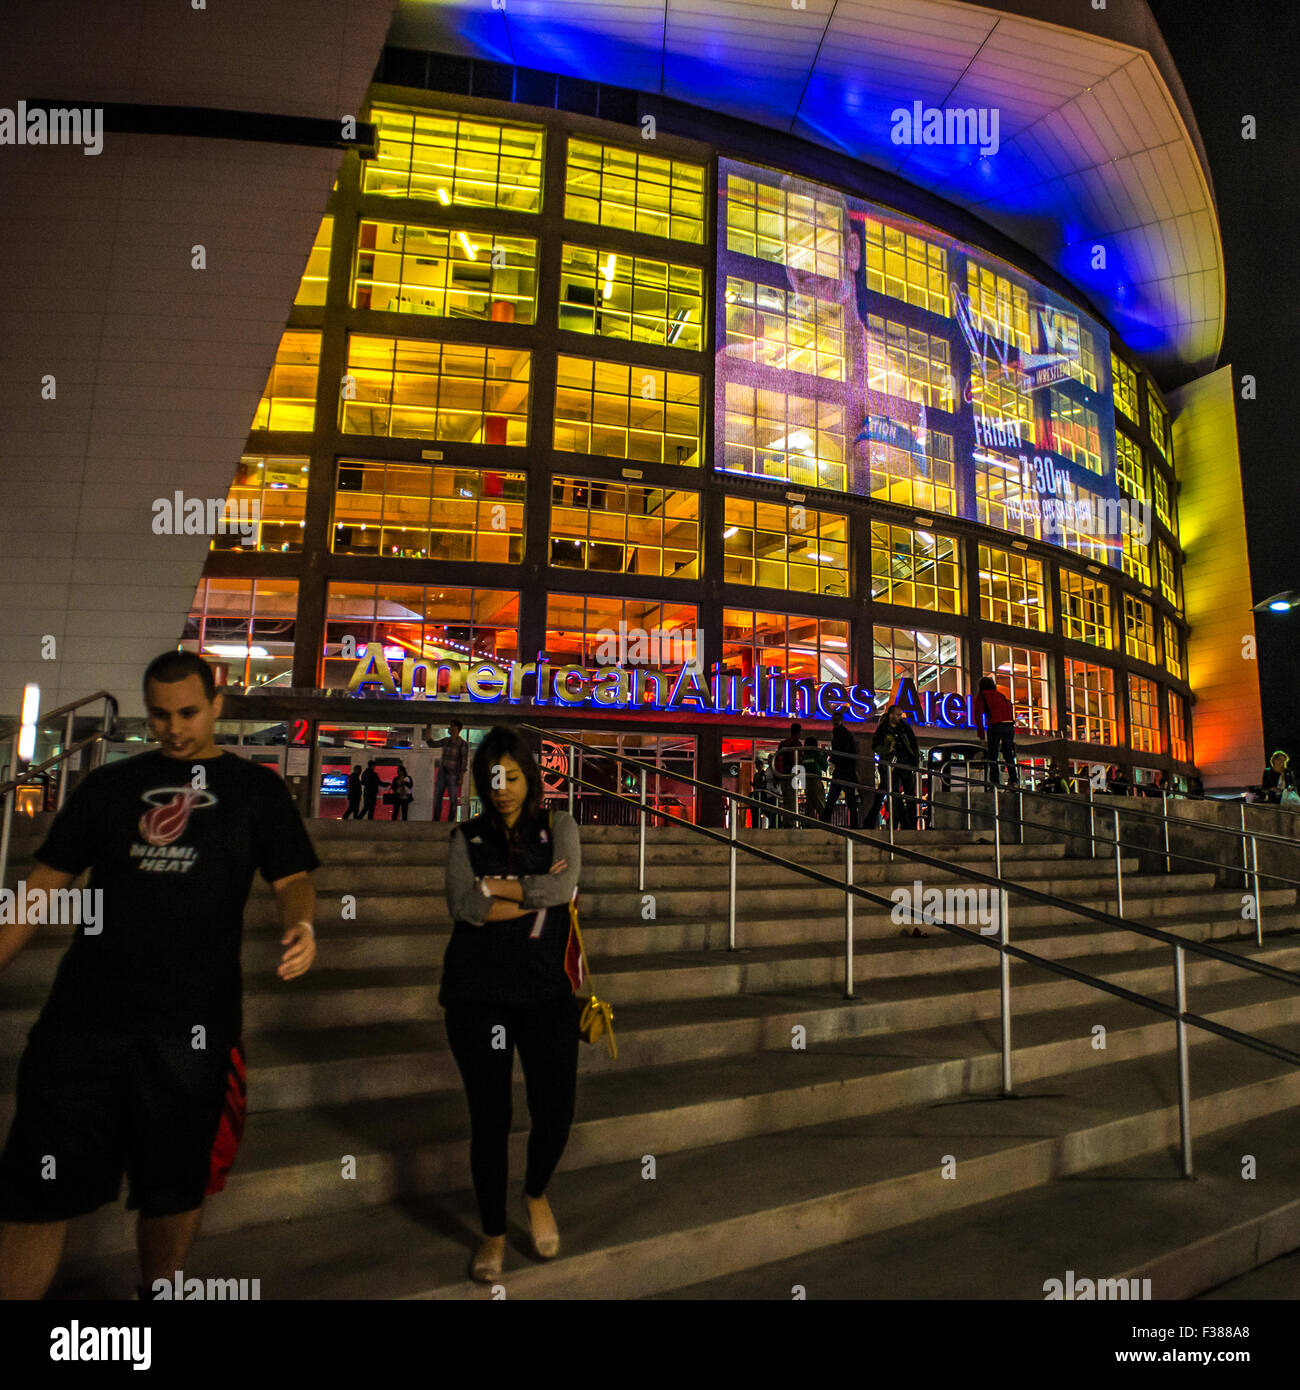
[[547, 1039]]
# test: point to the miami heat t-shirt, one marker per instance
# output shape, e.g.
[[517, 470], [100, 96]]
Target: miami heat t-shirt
[[174, 854]]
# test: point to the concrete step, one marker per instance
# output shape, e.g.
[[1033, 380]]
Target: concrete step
[[712, 1211], [1134, 1220]]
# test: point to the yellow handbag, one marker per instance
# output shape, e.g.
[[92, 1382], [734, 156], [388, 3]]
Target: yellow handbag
[[597, 1019]]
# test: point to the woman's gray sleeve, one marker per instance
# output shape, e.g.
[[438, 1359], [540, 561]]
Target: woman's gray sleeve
[[550, 890], [464, 901]]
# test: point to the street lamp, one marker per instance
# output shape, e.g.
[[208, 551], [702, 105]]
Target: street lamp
[[1279, 603]]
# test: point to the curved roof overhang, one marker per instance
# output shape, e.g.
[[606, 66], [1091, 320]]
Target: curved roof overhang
[[1096, 143]]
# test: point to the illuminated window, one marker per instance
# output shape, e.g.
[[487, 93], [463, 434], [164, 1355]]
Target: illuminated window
[[1129, 468], [1012, 589], [905, 267], [914, 477], [996, 395], [774, 435], [245, 628], [1085, 609], [625, 412], [998, 307], [1158, 419], [433, 625], [1073, 430], [815, 649], [1144, 716], [909, 364], [1021, 674], [1173, 649], [1005, 496], [460, 161], [633, 298], [418, 511], [1084, 367], [417, 389], [1136, 559], [289, 400], [791, 332], [1179, 746], [269, 495], [1139, 629], [779, 547], [932, 660], [586, 631], [1168, 575], [1082, 526], [1126, 388], [915, 568], [795, 229], [1164, 500], [638, 192], [445, 272], [624, 528], [1090, 708], [315, 279]]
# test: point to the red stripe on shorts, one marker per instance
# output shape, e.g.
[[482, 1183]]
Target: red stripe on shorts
[[230, 1130]]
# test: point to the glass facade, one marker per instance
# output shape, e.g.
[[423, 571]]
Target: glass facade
[[818, 438]]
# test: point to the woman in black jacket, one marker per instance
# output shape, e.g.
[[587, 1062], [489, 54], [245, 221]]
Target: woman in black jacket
[[895, 743], [511, 873], [1278, 778]]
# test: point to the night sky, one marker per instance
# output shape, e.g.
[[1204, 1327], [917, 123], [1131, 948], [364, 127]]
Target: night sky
[[1237, 58]]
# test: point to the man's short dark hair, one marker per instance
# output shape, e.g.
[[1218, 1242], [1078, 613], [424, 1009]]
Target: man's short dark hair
[[836, 714], [455, 724], [796, 730], [988, 683], [171, 667]]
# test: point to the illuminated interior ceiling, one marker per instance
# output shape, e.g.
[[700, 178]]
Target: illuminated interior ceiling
[[1098, 145]]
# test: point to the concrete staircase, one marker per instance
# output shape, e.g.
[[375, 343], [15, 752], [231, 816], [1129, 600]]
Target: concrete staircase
[[716, 1158]]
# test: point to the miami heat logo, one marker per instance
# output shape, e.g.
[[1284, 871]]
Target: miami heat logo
[[166, 822]]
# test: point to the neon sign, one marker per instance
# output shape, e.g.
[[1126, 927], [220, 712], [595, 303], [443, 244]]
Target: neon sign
[[767, 694]]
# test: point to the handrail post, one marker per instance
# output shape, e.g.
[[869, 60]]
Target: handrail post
[[1245, 863], [731, 881], [1164, 816], [997, 834], [1020, 815], [7, 823], [848, 918], [1259, 906], [640, 856], [968, 812], [889, 802], [1004, 985], [63, 763], [1119, 870], [1184, 1096], [572, 755], [1092, 818]]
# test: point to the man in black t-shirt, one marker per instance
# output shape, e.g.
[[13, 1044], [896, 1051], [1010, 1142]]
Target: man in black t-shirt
[[135, 1063]]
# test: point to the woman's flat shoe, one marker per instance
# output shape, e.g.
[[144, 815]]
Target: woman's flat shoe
[[547, 1245], [485, 1267]]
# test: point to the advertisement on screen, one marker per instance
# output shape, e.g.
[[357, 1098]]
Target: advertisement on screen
[[860, 351]]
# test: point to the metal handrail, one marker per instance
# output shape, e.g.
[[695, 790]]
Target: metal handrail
[[1177, 1012], [61, 760]]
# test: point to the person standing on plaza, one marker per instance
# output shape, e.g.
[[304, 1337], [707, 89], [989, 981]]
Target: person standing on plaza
[[401, 789], [894, 742], [814, 766], [511, 874], [135, 1063], [354, 794], [1278, 786], [844, 771], [996, 718], [370, 785], [451, 768], [789, 753]]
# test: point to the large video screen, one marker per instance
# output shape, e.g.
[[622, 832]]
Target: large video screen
[[860, 351]]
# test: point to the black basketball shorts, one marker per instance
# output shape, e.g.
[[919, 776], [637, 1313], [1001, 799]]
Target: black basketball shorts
[[92, 1106]]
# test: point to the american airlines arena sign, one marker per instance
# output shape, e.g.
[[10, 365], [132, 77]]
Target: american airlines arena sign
[[539, 684]]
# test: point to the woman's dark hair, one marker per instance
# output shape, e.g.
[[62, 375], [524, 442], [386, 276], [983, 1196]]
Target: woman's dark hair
[[505, 741], [988, 683]]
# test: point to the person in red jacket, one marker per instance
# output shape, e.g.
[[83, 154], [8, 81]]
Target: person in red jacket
[[995, 717]]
